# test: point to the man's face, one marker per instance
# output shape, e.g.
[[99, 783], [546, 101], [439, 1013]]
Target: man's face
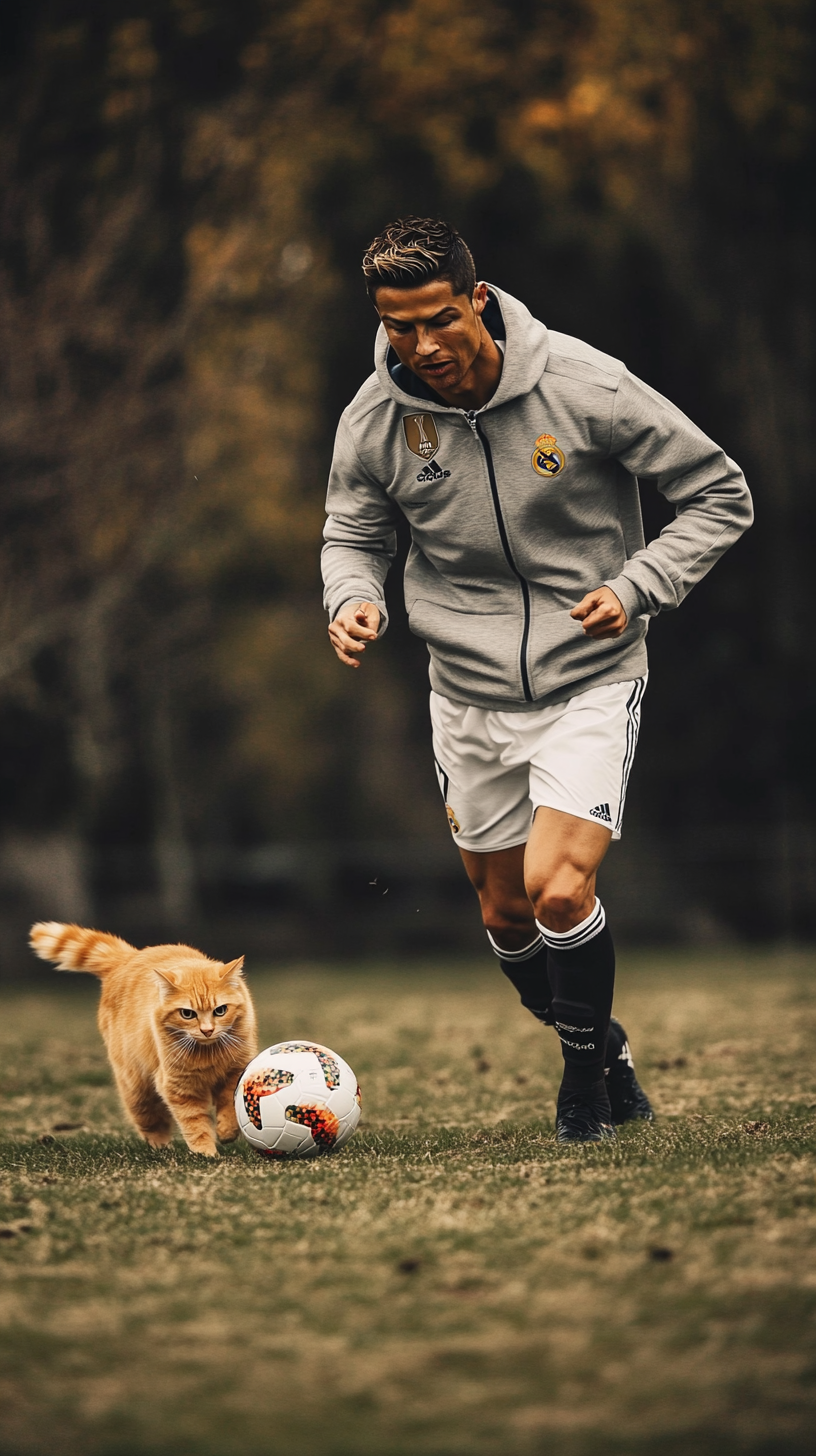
[[434, 331]]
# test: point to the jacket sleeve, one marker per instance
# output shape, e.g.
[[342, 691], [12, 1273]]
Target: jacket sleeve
[[651, 437], [360, 536]]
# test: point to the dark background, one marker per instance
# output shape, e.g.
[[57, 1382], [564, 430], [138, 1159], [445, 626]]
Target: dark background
[[188, 186]]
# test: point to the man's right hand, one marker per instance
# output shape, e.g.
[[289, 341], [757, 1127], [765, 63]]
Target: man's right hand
[[352, 628]]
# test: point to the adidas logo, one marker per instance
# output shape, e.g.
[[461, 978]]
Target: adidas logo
[[601, 811], [432, 472], [624, 1055]]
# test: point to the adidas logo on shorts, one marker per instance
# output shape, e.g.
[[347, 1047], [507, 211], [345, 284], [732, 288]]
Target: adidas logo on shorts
[[601, 811]]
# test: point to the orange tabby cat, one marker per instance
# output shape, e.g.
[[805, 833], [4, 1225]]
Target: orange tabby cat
[[179, 1029]]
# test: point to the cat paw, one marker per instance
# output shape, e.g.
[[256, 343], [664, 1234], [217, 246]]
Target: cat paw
[[205, 1148], [227, 1131], [158, 1139]]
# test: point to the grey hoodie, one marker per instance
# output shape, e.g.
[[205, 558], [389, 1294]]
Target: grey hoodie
[[518, 509]]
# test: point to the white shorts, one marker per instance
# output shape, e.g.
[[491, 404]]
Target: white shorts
[[496, 769]]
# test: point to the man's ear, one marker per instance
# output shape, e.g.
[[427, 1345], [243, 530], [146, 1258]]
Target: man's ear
[[168, 980], [479, 299], [235, 968]]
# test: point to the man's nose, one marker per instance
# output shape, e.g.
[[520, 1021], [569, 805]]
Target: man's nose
[[426, 344]]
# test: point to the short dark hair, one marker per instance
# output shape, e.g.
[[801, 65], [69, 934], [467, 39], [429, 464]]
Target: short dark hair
[[417, 250]]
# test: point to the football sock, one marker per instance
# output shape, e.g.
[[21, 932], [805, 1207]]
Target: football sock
[[581, 966], [527, 969]]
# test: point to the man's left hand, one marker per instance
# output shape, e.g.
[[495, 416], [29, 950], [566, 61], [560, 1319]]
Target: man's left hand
[[601, 613]]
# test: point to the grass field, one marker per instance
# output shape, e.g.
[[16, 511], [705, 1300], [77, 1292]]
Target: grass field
[[453, 1282]]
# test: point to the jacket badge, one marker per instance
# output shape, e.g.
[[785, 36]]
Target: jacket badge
[[421, 435], [547, 458], [452, 819]]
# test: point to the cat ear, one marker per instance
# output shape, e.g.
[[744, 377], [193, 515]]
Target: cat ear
[[170, 979], [235, 968]]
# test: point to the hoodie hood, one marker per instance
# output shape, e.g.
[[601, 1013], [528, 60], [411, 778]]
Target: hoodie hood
[[526, 350]]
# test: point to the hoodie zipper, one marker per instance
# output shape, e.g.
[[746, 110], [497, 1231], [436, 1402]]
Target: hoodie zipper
[[470, 416]]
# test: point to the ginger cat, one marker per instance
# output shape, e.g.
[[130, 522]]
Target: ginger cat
[[179, 1029]]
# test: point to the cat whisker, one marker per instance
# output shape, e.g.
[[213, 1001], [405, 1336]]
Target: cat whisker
[[181, 1038], [185, 1046], [178, 1058]]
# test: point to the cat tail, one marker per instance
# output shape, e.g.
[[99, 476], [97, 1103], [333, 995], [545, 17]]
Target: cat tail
[[73, 949]]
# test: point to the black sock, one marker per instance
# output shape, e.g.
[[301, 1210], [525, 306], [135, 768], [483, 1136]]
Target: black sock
[[527, 969], [582, 975]]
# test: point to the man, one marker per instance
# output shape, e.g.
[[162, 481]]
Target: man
[[513, 453]]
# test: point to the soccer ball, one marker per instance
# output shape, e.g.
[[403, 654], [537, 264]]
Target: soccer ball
[[297, 1100]]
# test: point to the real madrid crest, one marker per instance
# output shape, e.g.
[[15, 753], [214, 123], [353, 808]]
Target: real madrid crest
[[452, 819], [421, 435], [547, 458]]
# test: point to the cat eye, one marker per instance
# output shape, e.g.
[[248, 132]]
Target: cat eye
[[187, 1013], [220, 1010]]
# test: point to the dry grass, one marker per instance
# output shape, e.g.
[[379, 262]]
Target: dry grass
[[453, 1282]]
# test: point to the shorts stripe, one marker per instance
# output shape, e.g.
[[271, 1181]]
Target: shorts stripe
[[444, 778], [632, 730]]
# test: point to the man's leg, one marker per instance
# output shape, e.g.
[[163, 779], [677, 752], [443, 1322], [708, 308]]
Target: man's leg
[[551, 880], [538, 902], [538, 899], [560, 867], [498, 879]]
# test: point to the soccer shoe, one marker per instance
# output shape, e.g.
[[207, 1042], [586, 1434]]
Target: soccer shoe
[[627, 1098], [584, 1117]]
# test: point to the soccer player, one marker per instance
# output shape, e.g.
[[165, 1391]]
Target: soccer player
[[513, 452]]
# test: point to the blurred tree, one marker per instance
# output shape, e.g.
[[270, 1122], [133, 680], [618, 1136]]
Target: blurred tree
[[92, 302]]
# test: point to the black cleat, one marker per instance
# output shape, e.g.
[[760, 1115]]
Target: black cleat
[[584, 1117], [627, 1098]]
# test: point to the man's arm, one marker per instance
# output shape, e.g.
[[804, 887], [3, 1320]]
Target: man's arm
[[651, 437], [360, 544]]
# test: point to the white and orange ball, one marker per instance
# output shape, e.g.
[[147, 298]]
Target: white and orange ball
[[297, 1099]]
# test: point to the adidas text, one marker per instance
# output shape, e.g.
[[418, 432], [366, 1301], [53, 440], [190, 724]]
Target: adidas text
[[432, 472], [601, 811]]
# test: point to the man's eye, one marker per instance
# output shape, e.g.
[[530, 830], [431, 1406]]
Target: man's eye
[[220, 1010], [187, 1013]]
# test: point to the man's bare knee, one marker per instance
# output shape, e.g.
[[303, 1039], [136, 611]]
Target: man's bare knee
[[563, 902], [511, 926]]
